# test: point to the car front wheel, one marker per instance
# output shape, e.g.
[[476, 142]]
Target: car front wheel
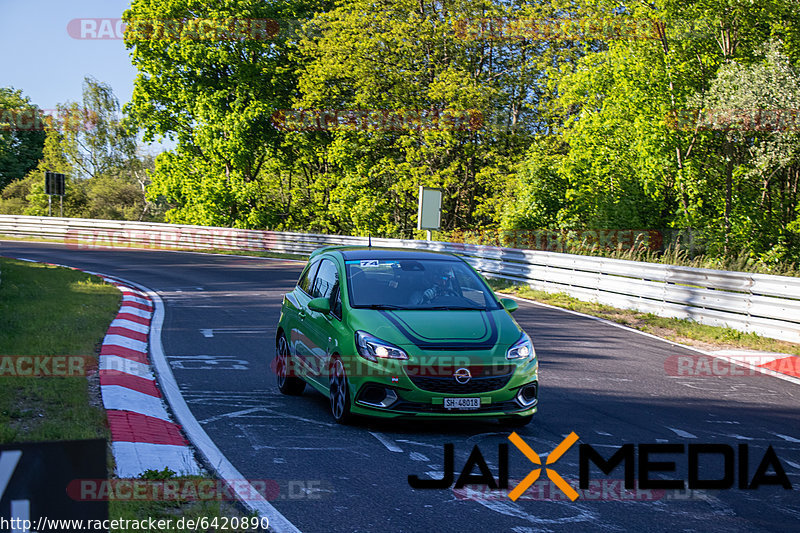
[[288, 383], [339, 393]]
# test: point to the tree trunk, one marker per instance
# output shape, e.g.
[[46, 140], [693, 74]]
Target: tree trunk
[[728, 149]]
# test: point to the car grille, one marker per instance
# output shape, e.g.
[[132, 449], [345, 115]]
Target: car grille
[[448, 384]]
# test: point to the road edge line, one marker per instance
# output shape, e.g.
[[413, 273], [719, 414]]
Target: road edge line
[[209, 451], [767, 371]]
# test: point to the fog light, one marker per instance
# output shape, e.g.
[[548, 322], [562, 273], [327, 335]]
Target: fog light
[[376, 396], [528, 396]]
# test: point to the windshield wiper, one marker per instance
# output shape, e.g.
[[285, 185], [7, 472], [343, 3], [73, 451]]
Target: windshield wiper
[[453, 308], [381, 306]]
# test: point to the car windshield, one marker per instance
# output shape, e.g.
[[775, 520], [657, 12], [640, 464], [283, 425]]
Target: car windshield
[[416, 284]]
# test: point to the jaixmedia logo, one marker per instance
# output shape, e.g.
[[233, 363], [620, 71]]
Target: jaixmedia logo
[[658, 466]]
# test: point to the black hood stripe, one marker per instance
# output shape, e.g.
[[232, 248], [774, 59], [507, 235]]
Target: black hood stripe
[[446, 344]]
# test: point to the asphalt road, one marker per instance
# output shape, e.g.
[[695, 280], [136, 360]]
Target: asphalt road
[[607, 384]]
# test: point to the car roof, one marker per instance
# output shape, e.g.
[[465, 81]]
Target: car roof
[[374, 252]]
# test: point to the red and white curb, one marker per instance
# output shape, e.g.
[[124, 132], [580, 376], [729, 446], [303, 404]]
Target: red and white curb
[[144, 440], [143, 437]]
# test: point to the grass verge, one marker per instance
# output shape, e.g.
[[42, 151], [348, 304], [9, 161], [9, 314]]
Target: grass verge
[[184, 505], [51, 311], [54, 311], [674, 329]]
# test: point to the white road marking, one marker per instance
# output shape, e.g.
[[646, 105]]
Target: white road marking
[[207, 362], [295, 417], [682, 433], [437, 446], [739, 437], [603, 433], [234, 331], [386, 441], [234, 414], [509, 508], [786, 437], [199, 438], [305, 448], [477, 438], [416, 456], [769, 372]]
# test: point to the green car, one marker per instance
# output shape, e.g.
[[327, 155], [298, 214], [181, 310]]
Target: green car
[[404, 333]]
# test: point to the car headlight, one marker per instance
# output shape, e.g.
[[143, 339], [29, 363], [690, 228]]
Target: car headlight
[[372, 348], [522, 349]]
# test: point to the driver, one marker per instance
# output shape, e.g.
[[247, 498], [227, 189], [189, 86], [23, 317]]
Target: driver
[[441, 285]]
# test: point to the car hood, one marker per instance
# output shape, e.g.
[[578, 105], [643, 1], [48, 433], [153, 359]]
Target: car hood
[[439, 329]]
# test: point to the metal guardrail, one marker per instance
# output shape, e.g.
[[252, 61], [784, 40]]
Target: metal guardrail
[[763, 304]]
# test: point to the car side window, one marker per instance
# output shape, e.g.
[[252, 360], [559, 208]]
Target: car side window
[[307, 277], [336, 304], [326, 279]]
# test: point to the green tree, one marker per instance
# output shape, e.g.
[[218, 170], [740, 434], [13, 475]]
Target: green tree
[[214, 94], [93, 146], [630, 148], [756, 106], [95, 138], [122, 193], [21, 135], [55, 160], [426, 56]]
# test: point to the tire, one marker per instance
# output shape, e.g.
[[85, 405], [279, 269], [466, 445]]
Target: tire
[[516, 421], [339, 393], [287, 383]]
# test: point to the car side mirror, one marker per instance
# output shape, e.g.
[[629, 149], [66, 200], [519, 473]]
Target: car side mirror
[[509, 304], [320, 305]]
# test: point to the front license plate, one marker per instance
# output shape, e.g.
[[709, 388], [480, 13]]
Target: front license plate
[[463, 404]]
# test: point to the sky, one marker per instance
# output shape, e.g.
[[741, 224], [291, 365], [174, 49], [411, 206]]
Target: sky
[[42, 54]]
